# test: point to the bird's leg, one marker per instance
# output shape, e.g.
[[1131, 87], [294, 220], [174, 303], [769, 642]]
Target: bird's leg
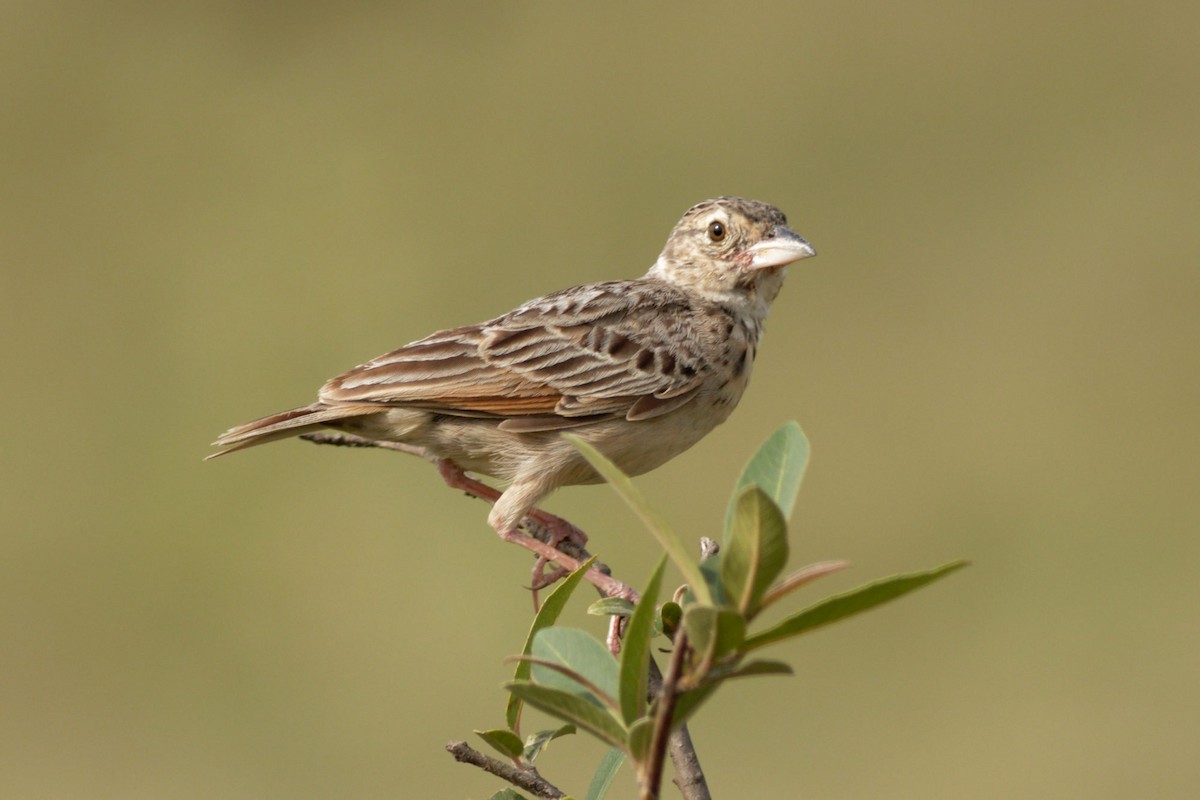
[[557, 530], [541, 579], [557, 533], [455, 478], [546, 552], [607, 584]]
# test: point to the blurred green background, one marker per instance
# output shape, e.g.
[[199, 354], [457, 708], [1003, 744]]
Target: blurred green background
[[209, 208]]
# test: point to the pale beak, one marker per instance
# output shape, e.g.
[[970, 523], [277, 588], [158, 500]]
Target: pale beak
[[780, 250]]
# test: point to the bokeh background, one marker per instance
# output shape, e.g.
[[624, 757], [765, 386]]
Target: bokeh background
[[208, 208]]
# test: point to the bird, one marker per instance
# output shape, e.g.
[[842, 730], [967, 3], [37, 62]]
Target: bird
[[641, 369]]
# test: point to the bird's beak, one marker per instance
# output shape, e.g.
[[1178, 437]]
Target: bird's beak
[[780, 250]]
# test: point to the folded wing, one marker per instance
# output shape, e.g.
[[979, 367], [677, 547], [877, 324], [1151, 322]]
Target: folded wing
[[568, 358]]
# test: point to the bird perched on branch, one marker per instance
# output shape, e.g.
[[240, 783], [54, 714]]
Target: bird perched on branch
[[641, 369]]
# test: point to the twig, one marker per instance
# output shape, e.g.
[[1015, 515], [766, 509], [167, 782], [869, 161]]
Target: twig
[[662, 719], [689, 776], [527, 779]]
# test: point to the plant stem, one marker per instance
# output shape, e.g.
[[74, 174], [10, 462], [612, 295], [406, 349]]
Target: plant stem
[[527, 779], [662, 720]]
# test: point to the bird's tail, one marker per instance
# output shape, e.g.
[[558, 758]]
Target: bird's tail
[[285, 424]]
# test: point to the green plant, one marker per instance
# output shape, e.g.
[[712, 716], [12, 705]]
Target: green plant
[[709, 625]]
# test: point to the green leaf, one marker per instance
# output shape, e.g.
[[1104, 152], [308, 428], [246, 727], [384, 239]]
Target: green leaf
[[757, 550], [731, 631], [547, 615], [844, 605], [571, 708], [611, 607], [635, 653], [700, 622], [710, 568], [641, 733], [653, 520], [536, 743], [670, 615], [503, 741], [585, 689], [777, 468], [605, 772], [714, 632], [579, 652]]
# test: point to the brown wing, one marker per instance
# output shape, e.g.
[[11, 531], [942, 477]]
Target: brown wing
[[618, 348]]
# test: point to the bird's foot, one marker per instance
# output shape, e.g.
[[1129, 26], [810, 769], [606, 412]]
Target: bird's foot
[[597, 576], [561, 535], [559, 529], [540, 579]]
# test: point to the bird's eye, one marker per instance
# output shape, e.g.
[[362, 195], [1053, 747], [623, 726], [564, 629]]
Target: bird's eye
[[716, 231]]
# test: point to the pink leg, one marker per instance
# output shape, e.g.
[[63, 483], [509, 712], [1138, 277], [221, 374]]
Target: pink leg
[[455, 478], [559, 528]]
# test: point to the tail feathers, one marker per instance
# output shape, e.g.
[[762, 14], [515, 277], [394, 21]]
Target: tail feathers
[[284, 425]]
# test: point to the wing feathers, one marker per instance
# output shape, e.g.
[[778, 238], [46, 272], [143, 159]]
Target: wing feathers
[[551, 363]]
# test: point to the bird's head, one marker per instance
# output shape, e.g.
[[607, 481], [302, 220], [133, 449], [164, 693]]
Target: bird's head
[[732, 251]]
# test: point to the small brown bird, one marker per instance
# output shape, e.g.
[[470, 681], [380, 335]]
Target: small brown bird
[[641, 369]]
